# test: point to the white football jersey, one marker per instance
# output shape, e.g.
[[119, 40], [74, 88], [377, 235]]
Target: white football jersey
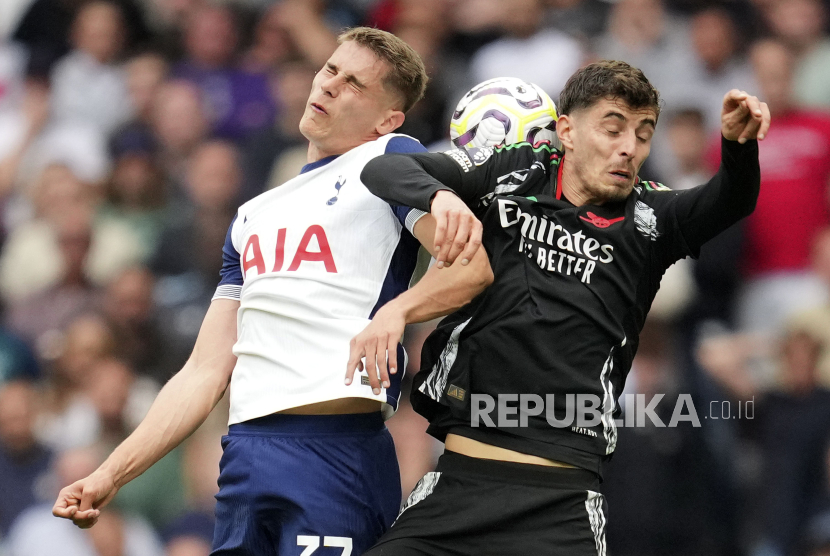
[[310, 262]]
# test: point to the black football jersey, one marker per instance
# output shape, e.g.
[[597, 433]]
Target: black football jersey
[[572, 287]]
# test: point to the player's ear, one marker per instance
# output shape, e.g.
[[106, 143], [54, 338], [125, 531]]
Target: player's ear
[[393, 120], [564, 130]]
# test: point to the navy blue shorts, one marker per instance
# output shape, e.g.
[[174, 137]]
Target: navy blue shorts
[[321, 485]]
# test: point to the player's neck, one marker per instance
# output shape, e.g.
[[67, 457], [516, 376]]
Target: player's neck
[[315, 152], [571, 186]]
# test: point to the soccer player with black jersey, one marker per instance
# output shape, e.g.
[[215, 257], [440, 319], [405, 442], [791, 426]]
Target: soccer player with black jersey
[[578, 245]]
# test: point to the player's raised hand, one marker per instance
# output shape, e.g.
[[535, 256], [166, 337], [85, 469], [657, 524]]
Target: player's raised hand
[[82, 500], [457, 231], [378, 343], [744, 117]]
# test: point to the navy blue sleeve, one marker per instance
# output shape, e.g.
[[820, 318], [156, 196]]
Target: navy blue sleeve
[[230, 277], [405, 145]]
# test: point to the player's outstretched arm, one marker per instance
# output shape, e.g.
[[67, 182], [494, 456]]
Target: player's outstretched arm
[[449, 186], [438, 293], [731, 194], [181, 406]]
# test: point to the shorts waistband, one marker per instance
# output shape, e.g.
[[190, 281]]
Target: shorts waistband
[[283, 424], [518, 473]]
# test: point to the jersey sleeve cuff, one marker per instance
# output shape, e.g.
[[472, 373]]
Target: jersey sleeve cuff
[[228, 291], [413, 217]]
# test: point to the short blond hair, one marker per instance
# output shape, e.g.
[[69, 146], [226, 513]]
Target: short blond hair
[[407, 75]]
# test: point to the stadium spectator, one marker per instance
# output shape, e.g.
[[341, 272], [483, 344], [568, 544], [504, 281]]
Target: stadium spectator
[[262, 150], [585, 19], [291, 30], [80, 251], [789, 427], [720, 64], [524, 49], [39, 312], [647, 36], [213, 182], [46, 27], [88, 85], [656, 468], [130, 311], [425, 26], [179, 122], [687, 135], [817, 319], [190, 535], [135, 193], [189, 256], [239, 101], [67, 417], [816, 538], [120, 400], [271, 47], [200, 462], [24, 462], [38, 533], [24, 110], [802, 25], [793, 204], [44, 30], [16, 359], [145, 73]]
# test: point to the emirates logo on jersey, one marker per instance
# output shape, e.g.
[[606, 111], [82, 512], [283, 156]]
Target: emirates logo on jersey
[[554, 248], [599, 221]]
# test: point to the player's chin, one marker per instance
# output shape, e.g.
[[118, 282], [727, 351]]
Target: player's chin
[[309, 128], [615, 192]]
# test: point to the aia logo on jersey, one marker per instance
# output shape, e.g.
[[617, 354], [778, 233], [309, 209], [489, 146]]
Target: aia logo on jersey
[[252, 258], [599, 221]]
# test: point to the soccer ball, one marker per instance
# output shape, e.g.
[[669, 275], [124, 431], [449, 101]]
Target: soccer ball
[[503, 111]]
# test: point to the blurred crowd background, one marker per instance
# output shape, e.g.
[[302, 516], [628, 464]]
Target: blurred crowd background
[[130, 130]]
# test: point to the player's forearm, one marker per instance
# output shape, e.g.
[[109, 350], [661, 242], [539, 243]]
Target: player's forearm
[[742, 173], [443, 291], [408, 180], [729, 196], [185, 401], [180, 408]]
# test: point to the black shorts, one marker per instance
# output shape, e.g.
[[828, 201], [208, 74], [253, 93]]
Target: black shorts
[[479, 507]]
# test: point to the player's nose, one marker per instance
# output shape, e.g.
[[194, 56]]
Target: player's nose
[[330, 86], [627, 144]]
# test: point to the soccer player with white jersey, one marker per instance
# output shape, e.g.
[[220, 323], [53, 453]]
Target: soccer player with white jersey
[[308, 462]]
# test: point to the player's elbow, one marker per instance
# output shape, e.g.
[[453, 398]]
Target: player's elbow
[[745, 206]]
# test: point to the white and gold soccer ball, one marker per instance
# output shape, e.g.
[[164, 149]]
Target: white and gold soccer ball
[[503, 111]]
